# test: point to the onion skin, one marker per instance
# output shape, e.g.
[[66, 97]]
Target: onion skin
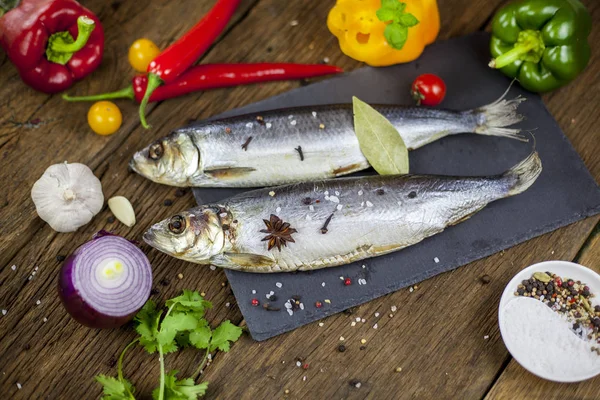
[[74, 303]]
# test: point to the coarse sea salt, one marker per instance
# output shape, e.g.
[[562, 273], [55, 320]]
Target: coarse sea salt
[[542, 341]]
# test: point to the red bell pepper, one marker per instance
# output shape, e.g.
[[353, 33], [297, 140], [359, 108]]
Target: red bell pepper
[[53, 43], [212, 76], [179, 56]]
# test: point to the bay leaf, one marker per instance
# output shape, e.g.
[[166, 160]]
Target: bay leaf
[[379, 141]]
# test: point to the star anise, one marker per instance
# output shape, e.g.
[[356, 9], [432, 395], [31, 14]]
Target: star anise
[[279, 232]]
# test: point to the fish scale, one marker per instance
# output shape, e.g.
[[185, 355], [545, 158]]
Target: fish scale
[[379, 214]]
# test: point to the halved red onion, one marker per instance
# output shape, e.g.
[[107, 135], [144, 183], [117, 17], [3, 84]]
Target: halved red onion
[[105, 281]]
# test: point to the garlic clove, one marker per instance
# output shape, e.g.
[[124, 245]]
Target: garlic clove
[[67, 196], [122, 210]]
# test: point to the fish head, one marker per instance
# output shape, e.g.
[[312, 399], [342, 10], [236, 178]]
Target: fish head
[[171, 160], [194, 235]]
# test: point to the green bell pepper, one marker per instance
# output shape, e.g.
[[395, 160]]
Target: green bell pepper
[[541, 43]]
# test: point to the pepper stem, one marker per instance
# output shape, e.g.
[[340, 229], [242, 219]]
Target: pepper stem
[[7, 5], [61, 45], [154, 81], [125, 93], [529, 47]]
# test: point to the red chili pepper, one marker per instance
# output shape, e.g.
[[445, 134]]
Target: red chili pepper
[[53, 43], [212, 76], [179, 56]]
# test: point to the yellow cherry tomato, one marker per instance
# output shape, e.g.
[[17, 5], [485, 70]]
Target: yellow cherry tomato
[[104, 118], [141, 52]]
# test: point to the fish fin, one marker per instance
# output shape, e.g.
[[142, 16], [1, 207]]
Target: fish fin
[[500, 114], [243, 261], [466, 217], [524, 173], [228, 172]]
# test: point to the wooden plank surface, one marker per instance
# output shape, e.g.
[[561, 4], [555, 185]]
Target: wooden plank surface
[[437, 333]]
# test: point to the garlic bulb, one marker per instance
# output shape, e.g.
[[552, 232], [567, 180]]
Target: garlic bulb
[[67, 196]]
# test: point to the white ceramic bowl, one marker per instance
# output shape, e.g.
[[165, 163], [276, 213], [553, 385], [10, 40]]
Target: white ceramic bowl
[[564, 269]]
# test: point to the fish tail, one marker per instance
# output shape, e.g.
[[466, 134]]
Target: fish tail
[[495, 117], [524, 174]]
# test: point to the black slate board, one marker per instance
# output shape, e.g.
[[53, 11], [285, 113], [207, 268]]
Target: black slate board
[[565, 192]]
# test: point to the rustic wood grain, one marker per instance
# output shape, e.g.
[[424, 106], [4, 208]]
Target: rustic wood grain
[[436, 336]]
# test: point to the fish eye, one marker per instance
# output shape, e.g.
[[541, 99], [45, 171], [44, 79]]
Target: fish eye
[[177, 224], [156, 151]]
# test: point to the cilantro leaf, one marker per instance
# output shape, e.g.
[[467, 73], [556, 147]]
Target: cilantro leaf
[[225, 333], [171, 325], [396, 35], [396, 32], [200, 337], [146, 325], [189, 301], [114, 389], [184, 389]]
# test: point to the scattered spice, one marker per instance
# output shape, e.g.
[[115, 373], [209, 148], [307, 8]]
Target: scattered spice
[[341, 348], [286, 391], [299, 150], [305, 366], [398, 369], [324, 229], [269, 307], [154, 291], [255, 302], [347, 282], [306, 201], [260, 119], [271, 193], [363, 341], [380, 192], [356, 383], [321, 126], [165, 282], [59, 258], [485, 279], [279, 232], [227, 130], [180, 192], [180, 276], [110, 219], [168, 202], [412, 195], [246, 143], [318, 304]]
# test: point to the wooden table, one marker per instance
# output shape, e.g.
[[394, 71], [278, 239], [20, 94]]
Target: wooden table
[[444, 336]]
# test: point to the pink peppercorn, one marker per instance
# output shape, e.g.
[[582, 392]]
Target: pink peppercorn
[[255, 302], [347, 282]]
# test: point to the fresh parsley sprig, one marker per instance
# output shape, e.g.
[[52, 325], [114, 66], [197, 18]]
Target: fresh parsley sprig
[[396, 32], [182, 325]]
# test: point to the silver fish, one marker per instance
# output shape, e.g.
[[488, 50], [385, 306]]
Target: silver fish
[[314, 225], [300, 144]]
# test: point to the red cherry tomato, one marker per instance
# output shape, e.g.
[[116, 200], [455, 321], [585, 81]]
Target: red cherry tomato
[[428, 89]]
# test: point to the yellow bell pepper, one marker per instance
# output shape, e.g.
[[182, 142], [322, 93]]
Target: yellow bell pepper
[[362, 35]]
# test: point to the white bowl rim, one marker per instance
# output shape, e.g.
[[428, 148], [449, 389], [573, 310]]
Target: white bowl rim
[[528, 271]]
